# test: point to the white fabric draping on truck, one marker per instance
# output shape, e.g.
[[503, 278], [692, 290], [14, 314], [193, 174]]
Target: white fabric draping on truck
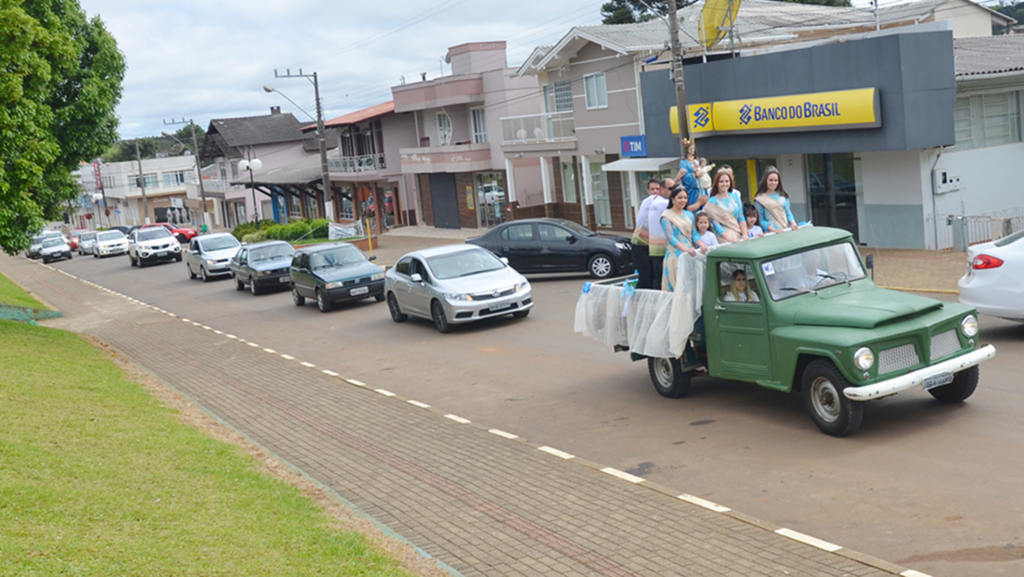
[[650, 322]]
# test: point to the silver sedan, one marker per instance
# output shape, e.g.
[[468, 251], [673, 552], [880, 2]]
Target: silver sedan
[[455, 284]]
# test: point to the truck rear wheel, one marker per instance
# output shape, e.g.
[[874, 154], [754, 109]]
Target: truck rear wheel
[[963, 386], [668, 377], [830, 409]]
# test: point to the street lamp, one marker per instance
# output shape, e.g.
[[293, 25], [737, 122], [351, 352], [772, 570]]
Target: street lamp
[[199, 170], [252, 165]]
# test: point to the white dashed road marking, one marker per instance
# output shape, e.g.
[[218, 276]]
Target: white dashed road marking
[[557, 453]]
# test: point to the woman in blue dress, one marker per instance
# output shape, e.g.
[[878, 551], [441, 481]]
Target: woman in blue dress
[[688, 178], [773, 203], [677, 222], [725, 209]]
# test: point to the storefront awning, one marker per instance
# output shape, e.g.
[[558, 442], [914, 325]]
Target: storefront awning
[[641, 165]]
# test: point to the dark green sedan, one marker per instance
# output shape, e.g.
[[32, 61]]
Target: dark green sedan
[[332, 273], [262, 266]]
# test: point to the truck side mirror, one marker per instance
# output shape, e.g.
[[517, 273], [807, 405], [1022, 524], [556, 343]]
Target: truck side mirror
[[869, 261]]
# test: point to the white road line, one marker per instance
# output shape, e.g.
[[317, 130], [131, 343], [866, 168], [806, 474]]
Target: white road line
[[419, 404], [912, 573], [622, 475], [207, 328], [186, 320], [703, 503], [196, 324], [271, 351], [356, 383], [231, 336], [557, 453], [501, 433], [252, 344], [812, 541], [331, 373], [310, 365], [288, 357], [385, 393], [456, 418], [215, 331]]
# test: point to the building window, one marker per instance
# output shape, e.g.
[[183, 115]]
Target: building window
[[479, 126], [563, 96], [444, 129], [568, 182], [178, 177], [597, 93], [149, 180], [223, 171], [987, 120], [234, 170]]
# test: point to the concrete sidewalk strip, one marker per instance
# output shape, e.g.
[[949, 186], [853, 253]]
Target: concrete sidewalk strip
[[481, 500]]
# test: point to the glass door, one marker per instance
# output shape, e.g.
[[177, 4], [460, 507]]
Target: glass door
[[602, 202], [832, 188]]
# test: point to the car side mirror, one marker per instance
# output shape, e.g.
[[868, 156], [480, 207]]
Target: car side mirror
[[372, 257], [570, 238], [504, 259], [416, 277]]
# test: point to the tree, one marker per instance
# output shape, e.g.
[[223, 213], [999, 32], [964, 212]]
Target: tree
[[630, 11], [61, 81]]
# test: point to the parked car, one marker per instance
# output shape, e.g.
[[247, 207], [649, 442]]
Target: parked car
[[994, 283], [182, 234], [36, 245], [109, 243], [262, 265], [210, 255], [55, 248], [553, 245], [455, 284], [74, 236], [85, 242], [126, 230], [332, 273], [154, 244]]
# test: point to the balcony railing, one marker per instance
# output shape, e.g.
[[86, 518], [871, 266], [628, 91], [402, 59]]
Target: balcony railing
[[217, 185], [367, 163], [550, 127]]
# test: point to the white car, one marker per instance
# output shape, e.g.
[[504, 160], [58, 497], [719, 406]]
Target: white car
[[209, 255], [54, 248], [153, 244], [108, 243], [994, 283], [455, 284]]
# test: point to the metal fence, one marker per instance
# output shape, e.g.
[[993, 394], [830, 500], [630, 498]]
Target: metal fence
[[957, 232]]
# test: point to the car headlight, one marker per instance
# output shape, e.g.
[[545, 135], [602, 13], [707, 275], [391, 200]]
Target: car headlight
[[623, 245], [334, 285], [864, 358], [211, 261], [458, 297], [377, 276], [263, 272], [522, 286], [969, 326]]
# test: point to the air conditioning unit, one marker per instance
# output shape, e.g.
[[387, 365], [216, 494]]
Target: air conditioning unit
[[944, 181]]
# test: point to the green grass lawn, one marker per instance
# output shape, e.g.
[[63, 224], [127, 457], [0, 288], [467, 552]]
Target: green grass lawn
[[98, 477], [13, 294]]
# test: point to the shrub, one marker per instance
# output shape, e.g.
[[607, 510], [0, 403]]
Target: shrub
[[320, 228], [248, 227], [254, 237]]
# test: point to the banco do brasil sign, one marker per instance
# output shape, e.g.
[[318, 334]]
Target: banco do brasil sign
[[837, 110]]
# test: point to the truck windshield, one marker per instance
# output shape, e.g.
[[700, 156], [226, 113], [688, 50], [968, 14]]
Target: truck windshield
[[812, 270]]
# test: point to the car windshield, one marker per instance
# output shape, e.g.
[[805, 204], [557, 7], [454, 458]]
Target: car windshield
[[219, 243], [339, 256], [812, 270], [38, 239], [52, 242], [110, 235], [577, 228], [463, 263], [88, 236], [271, 252], [154, 233]]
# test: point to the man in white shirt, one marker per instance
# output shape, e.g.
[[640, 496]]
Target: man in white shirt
[[640, 243]]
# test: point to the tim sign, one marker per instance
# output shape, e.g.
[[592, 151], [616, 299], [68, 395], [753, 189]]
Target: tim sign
[[633, 146]]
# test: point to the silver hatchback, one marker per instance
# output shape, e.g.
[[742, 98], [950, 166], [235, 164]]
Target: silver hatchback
[[210, 254], [455, 284]]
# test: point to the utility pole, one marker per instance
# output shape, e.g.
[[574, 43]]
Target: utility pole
[[142, 185], [677, 76], [103, 190], [325, 174], [199, 167]]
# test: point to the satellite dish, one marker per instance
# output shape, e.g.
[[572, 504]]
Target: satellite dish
[[717, 18]]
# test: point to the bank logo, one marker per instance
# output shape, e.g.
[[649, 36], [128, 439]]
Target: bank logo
[[702, 116], [745, 114]]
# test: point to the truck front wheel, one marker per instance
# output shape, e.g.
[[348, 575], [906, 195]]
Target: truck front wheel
[[668, 377], [830, 409], [963, 386]]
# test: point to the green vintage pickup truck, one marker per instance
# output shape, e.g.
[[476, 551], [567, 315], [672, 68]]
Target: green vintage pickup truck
[[809, 319]]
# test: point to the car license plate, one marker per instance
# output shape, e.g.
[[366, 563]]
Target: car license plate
[[284, 279], [359, 291], [162, 253], [497, 306], [937, 380]]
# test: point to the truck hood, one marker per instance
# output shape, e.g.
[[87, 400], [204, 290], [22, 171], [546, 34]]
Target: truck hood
[[863, 309]]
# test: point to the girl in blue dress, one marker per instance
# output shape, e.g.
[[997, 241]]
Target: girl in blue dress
[[677, 222], [725, 209], [773, 203]]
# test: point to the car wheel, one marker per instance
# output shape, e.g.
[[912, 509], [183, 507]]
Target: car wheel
[[202, 274], [191, 275], [46, 260], [94, 255], [182, 239], [142, 263], [322, 302], [253, 287], [963, 385], [379, 298], [440, 320], [832, 411], [298, 299], [69, 256], [131, 260], [239, 285], [600, 266], [521, 314], [668, 377], [396, 312], [178, 257]]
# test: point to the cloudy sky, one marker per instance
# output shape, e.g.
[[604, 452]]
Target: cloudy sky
[[202, 60]]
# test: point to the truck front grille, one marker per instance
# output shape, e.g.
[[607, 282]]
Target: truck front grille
[[897, 358], [945, 344]]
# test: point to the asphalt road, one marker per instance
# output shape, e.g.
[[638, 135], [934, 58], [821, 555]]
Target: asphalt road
[[923, 484]]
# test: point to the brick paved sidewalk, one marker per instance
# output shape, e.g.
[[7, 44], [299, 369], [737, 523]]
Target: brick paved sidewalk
[[475, 499]]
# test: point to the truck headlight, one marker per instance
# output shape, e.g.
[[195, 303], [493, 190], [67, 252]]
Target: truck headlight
[[969, 326], [864, 358]]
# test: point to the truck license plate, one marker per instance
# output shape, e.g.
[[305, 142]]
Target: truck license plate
[[937, 380], [359, 291]]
